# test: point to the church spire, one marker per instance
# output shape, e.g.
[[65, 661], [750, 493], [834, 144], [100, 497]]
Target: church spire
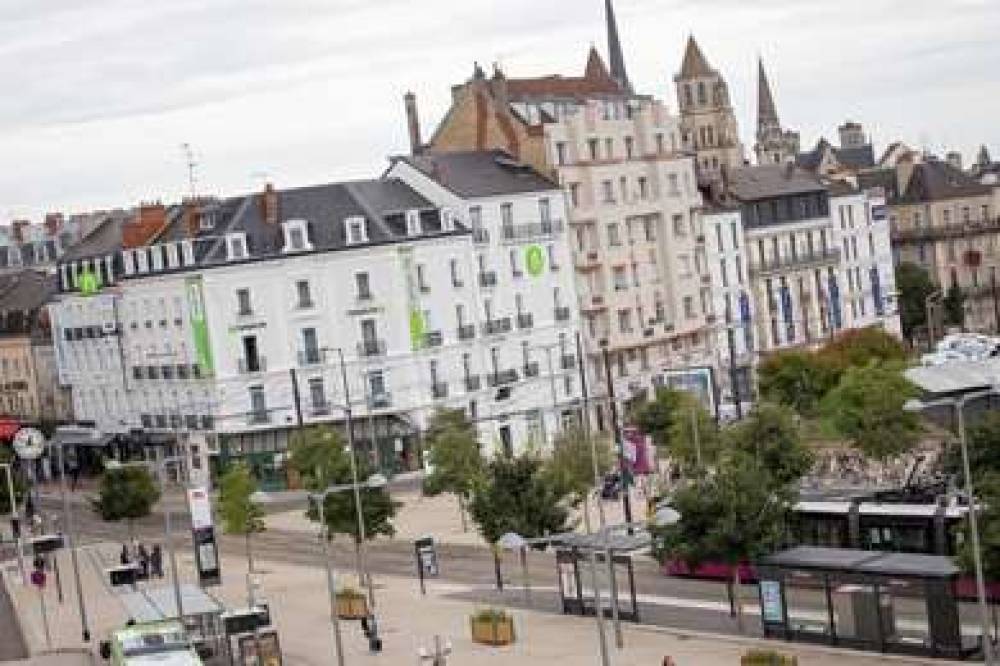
[[615, 56], [767, 113]]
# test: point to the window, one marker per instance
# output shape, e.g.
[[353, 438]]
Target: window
[[376, 384], [609, 148], [251, 355], [620, 279], [422, 279], [659, 144], [237, 247], [614, 238], [258, 404], [304, 294], [560, 153], [413, 223], [643, 188], [625, 321], [355, 230], [550, 250], [317, 394], [702, 94], [608, 191], [507, 215], [295, 236], [515, 269], [723, 273], [718, 236], [739, 269], [243, 305], [688, 98], [545, 214], [476, 217], [592, 148], [689, 307], [574, 194], [460, 314], [672, 184], [734, 230], [453, 268], [310, 346], [363, 285], [679, 228], [629, 147]]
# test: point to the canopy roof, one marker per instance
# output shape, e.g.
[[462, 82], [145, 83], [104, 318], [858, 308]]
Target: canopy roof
[[848, 560]]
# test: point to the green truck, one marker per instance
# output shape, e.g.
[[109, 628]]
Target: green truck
[[152, 643]]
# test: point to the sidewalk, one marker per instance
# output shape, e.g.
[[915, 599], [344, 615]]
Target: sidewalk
[[300, 610]]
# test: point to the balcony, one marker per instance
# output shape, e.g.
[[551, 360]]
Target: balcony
[[501, 378], [567, 362], [593, 303], [439, 390], [480, 236], [249, 366], [473, 382], [488, 279], [586, 261], [530, 230], [370, 348], [649, 332], [497, 326], [466, 331], [259, 417], [808, 260], [433, 339], [310, 357], [944, 231], [525, 320], [381, 400], [562, 313], [324, 408], [530, 369]]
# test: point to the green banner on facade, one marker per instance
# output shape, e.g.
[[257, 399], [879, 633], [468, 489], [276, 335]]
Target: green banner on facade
[[534, 260], [199, 325]]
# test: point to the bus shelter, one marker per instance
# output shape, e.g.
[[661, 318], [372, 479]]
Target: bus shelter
[[883, 601], [613, 552]]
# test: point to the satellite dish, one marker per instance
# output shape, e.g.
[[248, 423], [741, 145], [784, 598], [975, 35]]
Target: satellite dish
[[29, 443]]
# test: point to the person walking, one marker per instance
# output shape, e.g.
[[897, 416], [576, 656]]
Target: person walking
[[124, 558], [156, 561], [143, 556]]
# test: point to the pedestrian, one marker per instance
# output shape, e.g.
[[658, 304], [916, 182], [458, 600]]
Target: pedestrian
[[156, 561], [74, 476], [123, 558], [143, 561]]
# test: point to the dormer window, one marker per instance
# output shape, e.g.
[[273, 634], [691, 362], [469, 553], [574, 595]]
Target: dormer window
[[354, 229], [187, 252], [206, 221], [142, 260], [412, 223], [296, 236], [157, 253], [173, 261], [236, 246], [128, 260], [447, 220]]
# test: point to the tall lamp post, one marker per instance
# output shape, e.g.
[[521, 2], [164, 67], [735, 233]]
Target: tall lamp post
[[68, 525], [14, 517], [958, 404]]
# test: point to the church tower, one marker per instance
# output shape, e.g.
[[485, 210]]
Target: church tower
[[774, 145], [708, 123]]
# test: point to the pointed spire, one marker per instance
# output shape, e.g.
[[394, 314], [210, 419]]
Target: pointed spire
[[694, 64], [767, 113], [596, 69], [615, 56], [983, 158]]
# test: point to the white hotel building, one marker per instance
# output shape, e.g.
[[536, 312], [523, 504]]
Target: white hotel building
[[219, 327]]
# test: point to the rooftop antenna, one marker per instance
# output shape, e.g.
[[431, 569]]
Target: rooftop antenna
[[191, 164]]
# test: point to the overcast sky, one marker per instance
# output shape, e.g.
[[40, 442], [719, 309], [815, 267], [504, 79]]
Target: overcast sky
[[99, 95]]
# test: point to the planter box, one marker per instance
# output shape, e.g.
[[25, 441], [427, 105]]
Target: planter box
[[767, 658], [351, 607], [497, 631]]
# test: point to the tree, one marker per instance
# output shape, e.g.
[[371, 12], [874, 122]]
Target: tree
[[321, 457], [984, 448], [796, 378], [867, 408], [454, 457], [571, 464], [126, 493], [987, 491], [734, 516], [690, 417], [954, 306], [914, 285], [770, 436], [656, 417], [859, 347], [515, 495], [239, 513]]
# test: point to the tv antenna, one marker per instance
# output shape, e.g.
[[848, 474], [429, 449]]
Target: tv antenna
[[191, 165]]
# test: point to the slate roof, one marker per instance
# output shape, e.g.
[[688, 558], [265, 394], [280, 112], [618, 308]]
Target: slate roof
[[474, 174], [766, 181], [860, 157], [105, 239], [934, 180], [26, 290]]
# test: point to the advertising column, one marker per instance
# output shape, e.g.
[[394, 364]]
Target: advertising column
[[206, 551]]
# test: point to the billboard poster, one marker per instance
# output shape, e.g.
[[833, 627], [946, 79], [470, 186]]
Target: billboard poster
[[199, 325], [417, 323], [699, 381], [770, 601]]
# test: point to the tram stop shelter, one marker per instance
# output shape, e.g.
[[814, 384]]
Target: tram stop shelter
[[202, 613], [889, 602], [576, 592]]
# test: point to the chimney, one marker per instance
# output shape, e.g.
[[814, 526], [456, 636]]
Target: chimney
[[412, 122], [269, 205], [144, 226], [18, 228], [954, 158], [498, 86], [192, 216], [53, 223]]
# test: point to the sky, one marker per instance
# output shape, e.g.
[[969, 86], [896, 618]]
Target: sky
[[100, 95]]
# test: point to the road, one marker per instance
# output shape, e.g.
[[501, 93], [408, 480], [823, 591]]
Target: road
[[11, 644]]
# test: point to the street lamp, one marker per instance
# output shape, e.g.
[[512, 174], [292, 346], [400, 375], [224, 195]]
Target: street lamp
[[68, 524], [916, 406], [14, 517], [374, 481]]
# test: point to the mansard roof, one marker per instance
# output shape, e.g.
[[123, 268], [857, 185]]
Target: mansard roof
[[485, 173]]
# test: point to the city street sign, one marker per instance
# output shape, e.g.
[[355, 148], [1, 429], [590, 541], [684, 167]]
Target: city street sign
[[29, 443]]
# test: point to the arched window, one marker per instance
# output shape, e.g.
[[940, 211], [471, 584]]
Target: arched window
[[688, 100], [702, 95]]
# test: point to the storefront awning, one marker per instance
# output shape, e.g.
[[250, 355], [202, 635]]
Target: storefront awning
[[78, 436]]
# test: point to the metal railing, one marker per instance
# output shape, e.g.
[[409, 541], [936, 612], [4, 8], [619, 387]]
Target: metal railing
[[473, 382], [439, 390], [942, 231], [488, 279], [259, 417], [805, 260], [433, 339], [530, 230], [501, 378], [310, 357], [252, 365], [381, 400], [497, 326], [480, 235], [368, 348], [563, 313], [568, 361], [525, 320]]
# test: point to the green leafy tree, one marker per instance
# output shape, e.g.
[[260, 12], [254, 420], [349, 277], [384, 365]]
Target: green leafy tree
[[914, 285], [516, 495], [454, 455], [694, 436], [322, 459], [771, 437], [735, 515], [239, 513], [866, 407], [796, 378], [987, 490], [984, 448], [126, 493], [656, 417], [571, 463], [954, 306], [858, 347]]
